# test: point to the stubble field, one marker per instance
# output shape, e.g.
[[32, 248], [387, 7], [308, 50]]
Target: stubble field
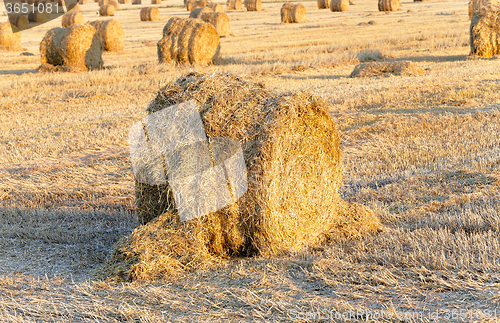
[[422, 151]]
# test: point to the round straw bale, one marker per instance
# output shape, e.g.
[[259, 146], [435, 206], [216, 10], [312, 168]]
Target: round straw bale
[[188, 41], [388, 5], [10, 37], [37, 17], [474, 3], [485, 30], [291, 149], [193, 4], [234, 5], [293, 12], [72, 18], [107, 10], [196, 13], [20, 21], [323, 4], [339, 5], [150, 14], [82, 2], [75, 48], [111, 34], [216, 7], [136, 2], [253, 5], [219, 20]]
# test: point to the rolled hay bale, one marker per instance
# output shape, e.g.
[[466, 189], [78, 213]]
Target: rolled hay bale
[[107, 10], [72, 18], [114, 4], [339, 5], [75, 48], [293, 12], [10, 37], [155, 1], [485, 30], [20, 21], [234, 5], [219, 20], [401, 68], [291, 149], [111, 34], [253, 5], [38, 17], [188, 41], [388, 5], [150, 14], [216, 7], [323, 4], [193, 4], [474, 3], [196, 13]]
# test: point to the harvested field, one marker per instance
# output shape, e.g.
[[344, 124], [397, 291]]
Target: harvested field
[[420, 151]]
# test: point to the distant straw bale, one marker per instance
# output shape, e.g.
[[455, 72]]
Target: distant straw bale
[[196, 13], [38, 17], [219, 20], [124, 1], [107, 10], [150, 14], [323, 4], [234, 5], [72, 18], [339, 5], [253, 5], [293, 12], [193, 4], [155, 1], [216, 7], [114, 4], [485, 30], [102, 2], [291, 149], [75, 48], [10, 37], [111, 34], [388, 5], [188, 41], [20, 21], [402, 68]]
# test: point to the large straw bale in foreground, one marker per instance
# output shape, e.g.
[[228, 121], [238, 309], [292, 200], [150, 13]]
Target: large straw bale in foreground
[[234, 5], [388, 5], [339, 5], [111, 34], [75, 48], [188, 41], [293, 12], [72, 18], [10, 37], [485, 30], [385, 68], [196, 13], [323, 4], [219, 20], [253, 5], [292, 154], [150, 14]]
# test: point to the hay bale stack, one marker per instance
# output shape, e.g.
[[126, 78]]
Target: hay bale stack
[[388, 5], [196, 13], [219, 20], [75, 48], [293, 12], [193, 4], [188, 41], [10, 37], [155, 1], [323, 4], [150, 14], [20, 21], [474, 3], [111, 34], [107, 10], [234, 5], [291, 149], [216, 7], [339, 5], [72, 18], [114, 4], [253, 5], [401, 68], [485, 30]]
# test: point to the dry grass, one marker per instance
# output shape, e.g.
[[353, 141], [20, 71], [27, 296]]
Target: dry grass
[[421, 151]]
